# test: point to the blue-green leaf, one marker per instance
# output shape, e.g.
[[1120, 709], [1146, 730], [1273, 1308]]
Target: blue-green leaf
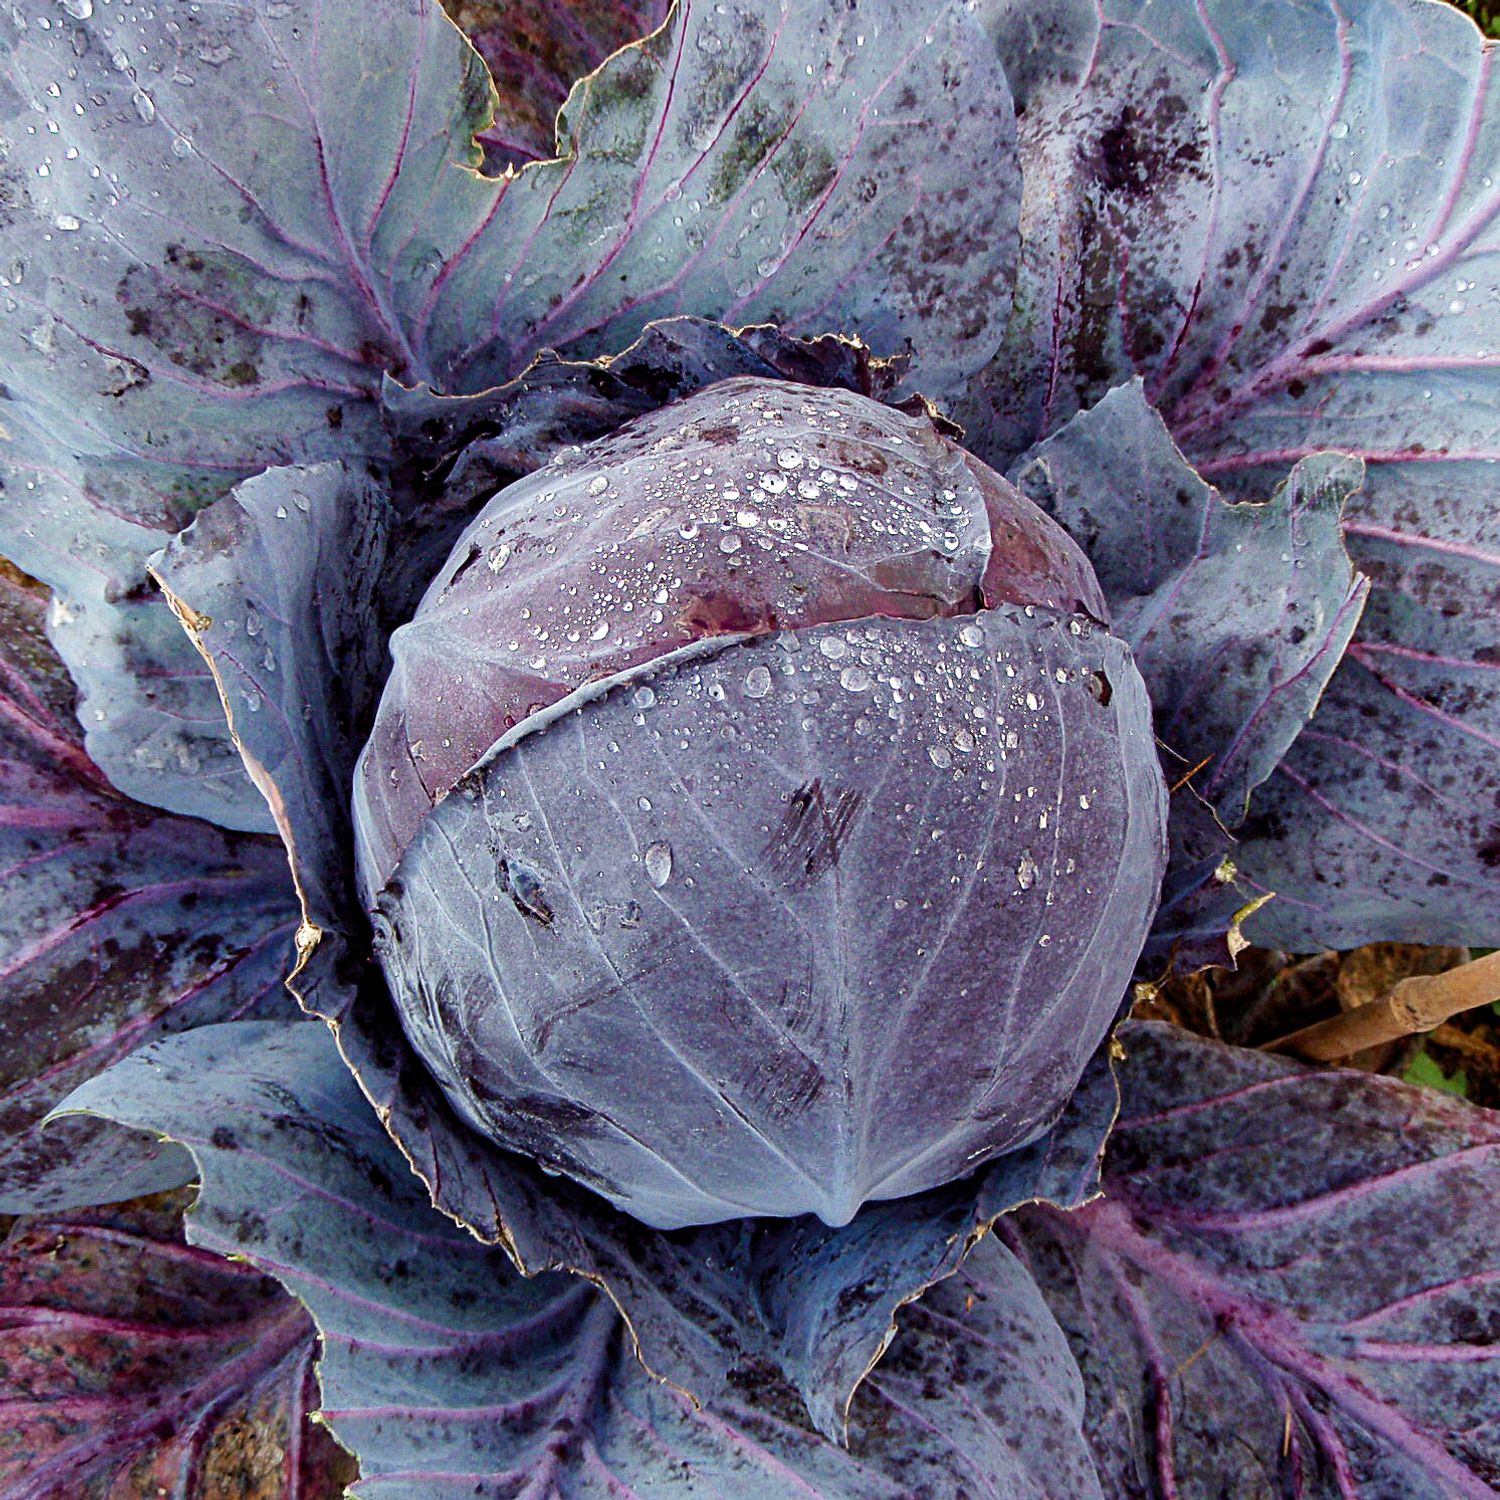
[[447, 1374]]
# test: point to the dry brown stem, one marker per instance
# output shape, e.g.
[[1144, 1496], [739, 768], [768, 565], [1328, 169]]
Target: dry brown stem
[[1414, 1005]]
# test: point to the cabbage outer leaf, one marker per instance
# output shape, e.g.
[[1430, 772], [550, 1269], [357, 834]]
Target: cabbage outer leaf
[[228, 223], [1291, 1284], [1238, 615], [1285, 219], [448, 1374], [240, 563], [134, 1365], [119, 924], [534, 52]]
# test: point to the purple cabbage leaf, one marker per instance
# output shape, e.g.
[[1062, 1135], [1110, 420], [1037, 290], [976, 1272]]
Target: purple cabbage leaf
[[755, 163], [1290, 1286], [136, 1365], [120, 924], [446, 1374], [1283, 219], [723, 814], [1237, 614], [620, 906]]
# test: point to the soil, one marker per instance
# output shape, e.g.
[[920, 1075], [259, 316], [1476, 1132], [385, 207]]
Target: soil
[[1271, 994]]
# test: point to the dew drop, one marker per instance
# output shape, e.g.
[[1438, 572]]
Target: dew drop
[[1026, 872], [940, 757], [658, 860], [757, 682], [971, 635], [144, 108], [643, 697], [854, 679]]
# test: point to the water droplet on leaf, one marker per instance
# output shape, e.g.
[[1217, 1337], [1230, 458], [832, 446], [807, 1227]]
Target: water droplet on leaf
[[658, 859]]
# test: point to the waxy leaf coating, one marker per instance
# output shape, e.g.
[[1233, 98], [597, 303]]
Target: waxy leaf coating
[[718, 941], [1286, 219], [751, 507], [447, 1374], [268, 297]]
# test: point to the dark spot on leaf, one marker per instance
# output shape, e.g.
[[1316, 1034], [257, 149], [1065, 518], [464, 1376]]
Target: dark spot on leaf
[[1141, 151], [1489, 850], [813, 831]]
